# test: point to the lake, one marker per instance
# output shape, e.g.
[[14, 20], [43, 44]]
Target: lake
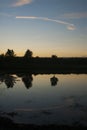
[[44, 99]]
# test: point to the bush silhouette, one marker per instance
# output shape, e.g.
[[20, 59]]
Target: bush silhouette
[[28, 54], [10, 53]]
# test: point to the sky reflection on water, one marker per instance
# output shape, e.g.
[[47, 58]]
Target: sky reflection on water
[[33, 99]]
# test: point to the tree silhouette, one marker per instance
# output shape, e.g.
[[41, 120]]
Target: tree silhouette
[[10, 53], [1, 55], [28, 54], [54, 56]]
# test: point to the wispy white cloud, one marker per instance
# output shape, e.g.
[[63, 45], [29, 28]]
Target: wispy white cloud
[[21, 3], [75, 15], [27, 17], [69, 25]]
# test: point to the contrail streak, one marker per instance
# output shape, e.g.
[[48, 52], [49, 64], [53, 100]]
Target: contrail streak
[[69, 25]]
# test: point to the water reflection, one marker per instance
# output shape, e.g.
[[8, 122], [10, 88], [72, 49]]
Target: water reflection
[[27, 80], [43, 104], [8, 79], [54, 81], [1, 79]]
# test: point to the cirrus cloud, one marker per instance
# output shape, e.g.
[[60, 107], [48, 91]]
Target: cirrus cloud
[[69, 25], [21, 3]]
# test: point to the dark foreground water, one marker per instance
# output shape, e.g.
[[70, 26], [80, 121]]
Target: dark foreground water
[[42, 99]]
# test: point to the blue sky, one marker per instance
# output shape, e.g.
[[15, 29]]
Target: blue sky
[[44, 26]]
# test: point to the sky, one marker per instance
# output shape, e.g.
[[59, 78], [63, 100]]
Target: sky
[[46, 27]]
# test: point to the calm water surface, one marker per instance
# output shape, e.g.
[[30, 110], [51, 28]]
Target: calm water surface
[[37, 99]]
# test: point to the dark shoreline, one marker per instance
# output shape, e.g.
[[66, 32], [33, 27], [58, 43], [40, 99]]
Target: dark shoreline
[[44, 65], [7, 124], [43, 71]]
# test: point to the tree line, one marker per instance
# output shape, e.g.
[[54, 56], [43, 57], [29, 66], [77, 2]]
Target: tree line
[[11, 53], [28, 54], [9, 61]]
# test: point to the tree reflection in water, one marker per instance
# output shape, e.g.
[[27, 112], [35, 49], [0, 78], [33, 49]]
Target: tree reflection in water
[[54, 81], [8, 79], [27, 80], [1, 78]]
